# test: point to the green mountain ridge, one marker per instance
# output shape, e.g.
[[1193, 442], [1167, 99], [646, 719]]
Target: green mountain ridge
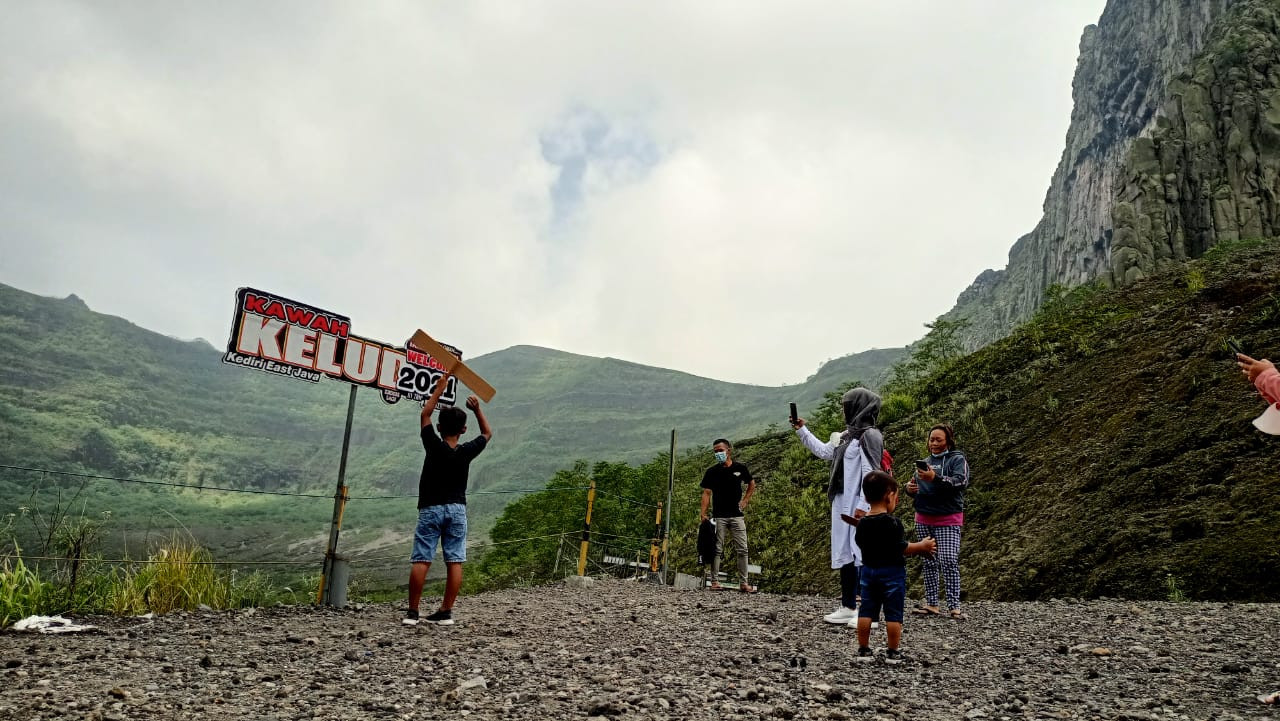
[[84, 391]]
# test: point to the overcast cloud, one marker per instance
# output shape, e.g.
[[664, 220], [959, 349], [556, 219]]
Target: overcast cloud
[[736, 190]]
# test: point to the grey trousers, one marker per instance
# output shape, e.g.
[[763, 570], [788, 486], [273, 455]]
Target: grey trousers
[[737, 529]]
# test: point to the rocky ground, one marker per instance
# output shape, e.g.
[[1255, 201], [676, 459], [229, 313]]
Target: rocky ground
[[633, 651]]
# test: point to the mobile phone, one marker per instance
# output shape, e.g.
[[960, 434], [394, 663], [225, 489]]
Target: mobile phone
[[1234, 346], [793, 413], [922, 465]]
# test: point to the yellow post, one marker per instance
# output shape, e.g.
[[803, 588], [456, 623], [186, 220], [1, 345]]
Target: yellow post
[[654, 550], [586, 530]]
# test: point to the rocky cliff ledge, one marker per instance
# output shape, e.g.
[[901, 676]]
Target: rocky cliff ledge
[[1127, 63], [1210, 168]]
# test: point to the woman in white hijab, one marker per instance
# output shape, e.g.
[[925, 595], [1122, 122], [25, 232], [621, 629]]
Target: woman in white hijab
[[854, 453]]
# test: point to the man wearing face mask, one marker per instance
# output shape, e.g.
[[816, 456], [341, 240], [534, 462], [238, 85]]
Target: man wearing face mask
[[722, 490]]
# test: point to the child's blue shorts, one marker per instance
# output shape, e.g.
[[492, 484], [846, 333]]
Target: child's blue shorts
[[883, 588], [447, 525]]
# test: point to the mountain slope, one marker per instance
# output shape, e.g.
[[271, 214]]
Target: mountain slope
[[1109, 439], [82, 390]]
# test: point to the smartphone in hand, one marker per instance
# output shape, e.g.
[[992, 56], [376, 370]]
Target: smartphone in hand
[[1235, 347], [794, 417], [922, 465]]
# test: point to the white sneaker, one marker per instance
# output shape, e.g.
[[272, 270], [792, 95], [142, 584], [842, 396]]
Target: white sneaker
[[842, 616], [853, 622]]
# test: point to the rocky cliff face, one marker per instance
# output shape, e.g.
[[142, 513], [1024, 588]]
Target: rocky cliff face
[[1127, 63], [1210, 168]]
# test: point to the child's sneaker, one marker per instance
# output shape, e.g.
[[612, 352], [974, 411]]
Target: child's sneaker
[[893, 657], [854, 623], [440, 618], [410, 618], [866, 655]]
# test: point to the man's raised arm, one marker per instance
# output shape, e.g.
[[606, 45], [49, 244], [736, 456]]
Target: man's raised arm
[[430, 406], [474, 404]]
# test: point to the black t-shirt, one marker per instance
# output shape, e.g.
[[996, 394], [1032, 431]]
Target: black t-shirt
[[444, 470], [725, 483], [881, 539]]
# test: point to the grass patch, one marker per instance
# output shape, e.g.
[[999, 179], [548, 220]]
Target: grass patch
[[22, 592], [181, 576]]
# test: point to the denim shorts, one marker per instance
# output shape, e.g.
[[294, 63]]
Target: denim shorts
[[446, 524], [883, 588]]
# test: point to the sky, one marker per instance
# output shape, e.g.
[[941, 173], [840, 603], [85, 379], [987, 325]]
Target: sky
[[737, 190]]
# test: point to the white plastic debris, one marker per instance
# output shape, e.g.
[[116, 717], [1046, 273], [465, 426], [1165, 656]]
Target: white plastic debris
[[50, 624], [1269, 422]]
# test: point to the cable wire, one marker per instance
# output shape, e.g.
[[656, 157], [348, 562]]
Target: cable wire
[[624, 498], [23, 557], [473, 493], [166, 483], [96, 476], [483, 545]]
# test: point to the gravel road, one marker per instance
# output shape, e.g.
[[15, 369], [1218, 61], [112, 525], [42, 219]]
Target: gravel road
[[627, 650]]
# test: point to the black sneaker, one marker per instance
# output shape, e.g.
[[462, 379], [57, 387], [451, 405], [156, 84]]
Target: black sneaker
[[893, 656], [866, 655], [440, 618], [410, 618]]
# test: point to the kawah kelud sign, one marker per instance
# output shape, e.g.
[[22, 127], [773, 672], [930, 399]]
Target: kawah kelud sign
[[273, 334]]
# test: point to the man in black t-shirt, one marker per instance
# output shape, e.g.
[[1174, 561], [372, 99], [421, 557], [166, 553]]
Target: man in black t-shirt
[[442, 500], [722, 490]]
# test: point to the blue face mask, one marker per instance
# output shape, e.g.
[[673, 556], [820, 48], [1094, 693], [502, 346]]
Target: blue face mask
[[721, 456]]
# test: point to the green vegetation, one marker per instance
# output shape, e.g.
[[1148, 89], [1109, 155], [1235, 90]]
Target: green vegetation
[[22, 592], [68, 574], [1109, 437], [88, 393], [1174, 588], [791, 493], [178, 576]]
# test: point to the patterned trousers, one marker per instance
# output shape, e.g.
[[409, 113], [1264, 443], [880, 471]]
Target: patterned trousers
[[945, 563]]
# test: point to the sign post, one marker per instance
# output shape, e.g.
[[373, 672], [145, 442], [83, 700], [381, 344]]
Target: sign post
[[671, 487], [339, 505], [273, 334]]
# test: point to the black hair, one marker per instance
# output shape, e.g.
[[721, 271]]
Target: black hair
[[877, 485], [725, 441], [947, 431], [451, 421]]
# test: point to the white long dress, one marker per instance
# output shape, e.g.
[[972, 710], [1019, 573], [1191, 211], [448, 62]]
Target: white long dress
[[843, 548]]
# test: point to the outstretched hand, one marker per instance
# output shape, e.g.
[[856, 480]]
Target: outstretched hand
[[473, 403], [797, 423], [1251, 367]]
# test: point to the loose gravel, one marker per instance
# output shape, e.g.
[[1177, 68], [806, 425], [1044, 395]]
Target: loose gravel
[[626, 650]]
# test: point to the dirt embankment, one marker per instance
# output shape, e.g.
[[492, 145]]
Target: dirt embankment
[[633, 651]]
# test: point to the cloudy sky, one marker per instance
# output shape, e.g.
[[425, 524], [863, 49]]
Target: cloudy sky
[[737, 190]]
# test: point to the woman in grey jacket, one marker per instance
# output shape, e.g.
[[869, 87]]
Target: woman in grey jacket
[[938, 493]]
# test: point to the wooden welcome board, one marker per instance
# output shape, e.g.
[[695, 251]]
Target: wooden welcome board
[[469, 378]]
